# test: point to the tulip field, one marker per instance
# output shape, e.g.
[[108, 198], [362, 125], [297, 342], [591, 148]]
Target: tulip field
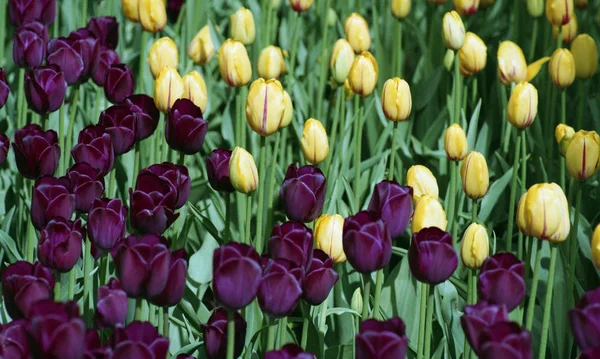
[[295, 179]]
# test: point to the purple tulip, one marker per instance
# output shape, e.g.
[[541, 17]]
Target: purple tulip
[[87, 184], [36, 152], [118, 84], [60, 244], [51, 198], [107, 57], [4, 147], [236, 275], [62, 54], [591, 353], [185, 356], [478, 318], [173, 292], [21, 12], [4, 89], [111, 310], [88, 49], [217, 169], [393, 203], [381, 339], [93, 346], [505, 340], [176, 175], [319, 279], [186, 128], [94, 146], [502, 280], [29, 45], [45, 89], [105, 29], [174, 8], [215, 334], [24, 284], [281, 287], [302, 193], [139, 340], [47, 12], [119, 122], [584, 320], [431, 257], [153, 203], [56, 330], [106, 223], [289, 351], [292, 241], [13, 340], [146, 115], [367, 242]]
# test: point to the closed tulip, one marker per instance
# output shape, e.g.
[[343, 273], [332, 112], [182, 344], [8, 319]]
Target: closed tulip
[[522, 105], [4, 89], [21, 12], [474, 175], [270, 63], [24, 284], [217, 170], [367, 242], [234, 63], [302, 193], [146, 115], [242, 171], [363, 74], [29, 45], [472, 56], [595, 246], [453, 30], [94, 347], [319, 279], [60, 242], [163, 53], [186, 128], [36, 152], [549, 199], [177, 176], [4, 147], [300, 5], [431, 256], [357, 33], [153, 203], [168, 88], [292, 241], [466, 7], [386, 339], [289, 351], [563, 135], [562, 68], [356, 302], [422, 182], [342, 58], [131, 10], [568, 31], [315, 145], [106, 223], [51, 197], [428, 213], [14, 340], [265, 106], [502, 280], [396, 99], [583, 155], [478, 318], [512, 67], [242, 26], [105, 29], [202, 49], [94, 146], [45, 89], [400, 8], [138, 338], [455, 143], [535, 7], [153, 15], [106, 58], [585, 54], [119, 83], [288, 112], [392, 203], [584, 319], [280, 288], [559, 12], [237, 274], [328, 236], [505, 337], [448, 60], [474, 248], [173, 292], [120, 123], [111, 309], [215, 334]]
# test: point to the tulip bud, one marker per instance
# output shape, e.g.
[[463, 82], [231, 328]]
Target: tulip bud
[[474, 175], [242, 26], [185, 128], [142, 336], [568, 31], [29, 45], [106, 223], [168, 88], [242, 171], [523, 105], [453, 31], [194, 89], [315, 145], [581, 4], [301, 5], [332, 17], [146, 115], [366, 232], [356, 303], [535, 7], [400, 8], [119, 122], [4, 147], [348, 90], [60, 243], [106, 59], [383, 339], [357, 33], [342, 58], [51, 198], [563, 135], [428, 213], [153, 202], [302, 193], [585, 54], [559, 12], [363, 74], [105, 29], [431, 257], [4, 89], [163, 53], [475, 246], [119, 83], [36, 152], [153, 15], [201, 50], [396, 99], [448, 60], [131, 10], [466, 7], [94, 146], [472, 55], [502, 281], [45, 89], [549, 199], [288, 112], [215, 332], [111, 309], [265, 106], [234, 63], [583, 155], [328, 236], [23, 284], [422, 181], [595, 246], [393, 204], [512, 67], [270, 63], [562, 68], [455, 143], [320, 277]]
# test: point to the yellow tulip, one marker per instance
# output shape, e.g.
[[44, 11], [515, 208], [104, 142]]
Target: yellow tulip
[[466, 7], [448, 60], [328, 236], [194, 89], [559, 12], [535, 7], [523, 105], [356, 302], [583, 155], [472, 55], [568, 30], [534, 68], [202, 49], [363, 74], [288, 112], [422, 181], [428, 213], [234, 63], [153, 15], [475, 246], [396, 99], [585, 54], [474, 175], [595, 246], [341, 60], [562, 68], [168, 88], [357, 33], [301, 5], [512, 67], [131, 10], [163, 53], [563, 135], [270, 63], [453, 30], [581, 4], [400, 8], [265, 106], [455, 143], [242, 26], [348, 90], [242, 171], [315, 145], [543, 212]]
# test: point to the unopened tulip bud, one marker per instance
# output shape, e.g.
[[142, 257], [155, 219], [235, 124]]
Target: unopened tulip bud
[[474, 175], [332, 17], [363, 74], [535, 7], [583, 155], [242, 26], [400, 8], [163, 53], [288, 113], [356, 303], [549, 199], [523, 105], [270, 63], [167, 89], [563, 135], [315, 145], [328, 236], [131, 10], [396, 99], [234, 63], [581, 4], [242, 171], [455, 143], [301, 5], [342, 58], [475, 246], [448, 60], [201, 50], [357, 33], [348, 90], [422, 181], [194, 89], [595, 247], [428, 213], [472, 55], [512, 67], [453, 31], [559, 12], [153, 15], [466, 7], [568, 31], [265, 106], [585, 54], [562, 68]]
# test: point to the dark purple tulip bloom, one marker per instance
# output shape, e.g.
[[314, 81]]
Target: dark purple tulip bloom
[[106, 223], [118, 84], [40, 29], [138, 340], [13, 340], [217, 169], [143, 265], [111, 310], [584, 320], [88, 49], [292, 241], [47, 12], [186, 128], [4, 147], [381, 339], [21, 12], [367, 242], [62, 54], [591, 353], [175, 288], [236, 275], [431, 256], [281, 287], [393, 203], [215, 334], [105, 29], [4, 89], [94, 146], [319, 279], [106, 58], [36, 152], [87, 184], [45, 89], [152, 203], [29, 46], [174, 8], [60, 244], [176, 175], [23, 284], [289, 351], [302, 193], [505, 340], [478, 317], [502, 280], [56, 330], [146, 115], [93, 346], [119, 122], [51, 198]]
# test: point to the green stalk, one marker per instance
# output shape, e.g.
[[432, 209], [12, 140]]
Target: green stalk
[[534, 36], [422, 316], [230, 334], [57, 286], [136, 163], [248, 219], [563, 118], [304, 338], [282, 331], [227, 230], [574, 248], [271, 184], [152, 316], [111, 183], [30, 240], [473, 273], [429, 321], [393, 153], [357, 150], [165, 323], [139, 304], [457, 90], [65, 152], [507, 127], [2, 30], [294, 49], [21, 97], [271, 336], [534, 284], [474, 215], [339, 102], [513, 193], [366, 296], [398, 48], [378, 286], [261, 193], [580, 105], [243, 93], [140, 77], [324, 63], [88, 264], [72, 116], [71, 284], [84, 12], [451, 197], [548, 302]]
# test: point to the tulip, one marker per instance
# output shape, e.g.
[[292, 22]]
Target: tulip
[[563, 135], [168, 88], [590, 353], [202, 49], [584, 319], [502, 280], [328, 236], [363, 74], [535, 7], [512, 66], [400, 8], [93, 346], [51, 197], [292, 241], [131, 10], [549, 199], [475, 246], [174, 9], [356, 302], [94, 146], [29, 46], [392, 203], [21, 12], [120, 124], [357, 33], [466, 7], [478, 318], [505, 339], [242, 26], [455, 142], [300, 5], [377, 339], [119, 83], [453, 30], [60, 242], [315, 145], [4, 89], [431, 256], [348, 90], [280, 288], [45, 89], [237, 275], [396, 99], [320, 278], [138, 338], [234, 63], [62, 54], [111, 309], [562, 68], [186, 128], [242, 171], [568, 31], [153, 203], [153, 15], [289, 351], [265, 107], [522, 105], [422, 182], [106, 223], [472, 55], [194, 89], [474, 175], [559, 12], [176, 175], [24, 284], [367, 242], [105, 29], [217, 170], [88, 48], [342, 58], [163, 53], [585, 54], [14, 341], [173, 292], [215, 334], [302, 193], [146, 115], [106, 58], [36, 152], [270, 63], [4, 147], [583, 155], [448, 60], [288, 112], [595, 247], [428, 213]]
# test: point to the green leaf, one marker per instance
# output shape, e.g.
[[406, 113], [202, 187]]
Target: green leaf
[[340, 311], [491, 198], [10, 247], [200, 268]]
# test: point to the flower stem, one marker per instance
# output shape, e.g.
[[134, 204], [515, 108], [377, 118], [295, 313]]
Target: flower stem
[[88, 263], [230, 334], [451, 198], [548, 302], [534, 283], [563, 117], [165, 322], [474, 215], [393, 152], [581, 104], [111, 183], [248, 218], [294, 48], [261, 193], [57, 286], [271, 336], [69, 134], [152, 316], [21, 98], [71, 284], [523, 184], [398, 48], [282, 331], [366, 295], [323, 69], [357, 150], [227, 230], [378, 286], [30, 239], [513, 194], [534, 37], [574, 248], [304, 338], [139, 309], [339, 102], [3, 8], [429, 321], [422, 314], [140, 77], [457, 90]]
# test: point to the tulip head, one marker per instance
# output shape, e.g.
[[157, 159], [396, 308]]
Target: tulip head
[[562, 68], [568, 31], [400, 8], [428, 213], [453, 30], [288, 113], [595, 247], [242, 26], [357, 33], [242, 171], [474, 175], [302, 193], [512, 67], [585, 54], [583, 155], [300, 5], [385, 339], [363, 74], [431, 257], [563, 135], [270, 63], [523, 105], [455, 143], [466, 7], [163, 53], [234, 63], [475, 246], [547, 199], [131, 10], [392, 203], [328, 236], [559, 12], [367, 242], [315, 145], [342, 58], [502, 280], [422, 181], [535, 7], [194, 89], [168, 88], [202, 49], [265, 106], [472, 55], [153, 15], [396, 99]]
